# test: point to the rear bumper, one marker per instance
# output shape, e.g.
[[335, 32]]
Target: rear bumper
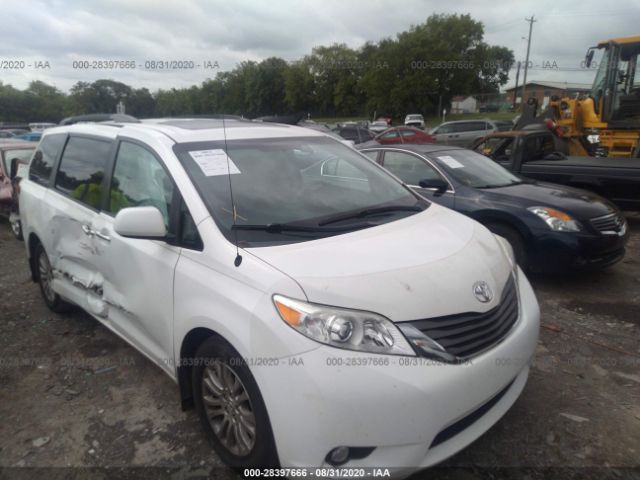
[[565, 251]]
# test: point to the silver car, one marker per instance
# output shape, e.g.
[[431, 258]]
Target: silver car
[[463, 133]]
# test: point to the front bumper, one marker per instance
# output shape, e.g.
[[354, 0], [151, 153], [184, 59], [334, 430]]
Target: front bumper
[[565, 251], [330, 397]]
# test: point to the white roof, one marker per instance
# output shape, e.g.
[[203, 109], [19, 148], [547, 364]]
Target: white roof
[[558, 85], [185, 130]]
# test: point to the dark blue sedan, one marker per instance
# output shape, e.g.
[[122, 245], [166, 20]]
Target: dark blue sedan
[[550, 227]]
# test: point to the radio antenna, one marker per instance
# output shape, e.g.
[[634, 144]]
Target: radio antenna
[[234, 214]]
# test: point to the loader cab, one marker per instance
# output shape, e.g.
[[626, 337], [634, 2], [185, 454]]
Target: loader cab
[[616, 87]]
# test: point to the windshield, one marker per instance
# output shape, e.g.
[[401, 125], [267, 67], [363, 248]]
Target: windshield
[[474, 170], [293, 184]]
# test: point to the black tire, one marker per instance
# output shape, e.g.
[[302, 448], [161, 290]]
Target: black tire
[[514, 238], [217, 353], [43, 269]]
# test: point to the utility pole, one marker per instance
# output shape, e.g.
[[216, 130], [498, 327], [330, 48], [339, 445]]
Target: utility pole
[[515, 90], [526, 63]]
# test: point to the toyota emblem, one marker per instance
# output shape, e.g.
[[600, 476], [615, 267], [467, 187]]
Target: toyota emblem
[[482, 291]]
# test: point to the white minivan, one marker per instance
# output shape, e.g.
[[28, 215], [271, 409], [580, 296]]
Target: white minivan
[[315, 310]]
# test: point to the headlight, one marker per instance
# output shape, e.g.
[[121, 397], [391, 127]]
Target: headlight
[[557, 220], [342, 328]]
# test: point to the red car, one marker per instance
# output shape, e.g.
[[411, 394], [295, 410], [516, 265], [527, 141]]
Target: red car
[[404, 135], [13, 154]]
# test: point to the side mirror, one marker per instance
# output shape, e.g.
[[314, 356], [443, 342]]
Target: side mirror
[[589, 57], [140, 222], [438, 184]]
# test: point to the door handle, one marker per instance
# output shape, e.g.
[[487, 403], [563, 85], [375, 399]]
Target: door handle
[[102, 236], [87, 230]]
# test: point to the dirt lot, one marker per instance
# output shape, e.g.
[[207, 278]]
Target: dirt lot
[[72, 394]]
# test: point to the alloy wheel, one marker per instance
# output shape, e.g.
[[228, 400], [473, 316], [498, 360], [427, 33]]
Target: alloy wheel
[[228, 407]]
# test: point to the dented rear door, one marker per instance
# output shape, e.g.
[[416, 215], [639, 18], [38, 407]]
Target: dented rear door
[[74, 203]]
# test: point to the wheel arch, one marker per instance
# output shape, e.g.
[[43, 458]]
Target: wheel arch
[[188, 348], [486, 217]]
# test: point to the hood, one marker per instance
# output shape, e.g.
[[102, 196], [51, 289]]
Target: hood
[[418, 267], [580, 204]]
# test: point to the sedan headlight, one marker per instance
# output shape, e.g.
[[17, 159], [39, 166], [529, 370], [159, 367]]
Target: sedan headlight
[[342, 328], [557, 220]]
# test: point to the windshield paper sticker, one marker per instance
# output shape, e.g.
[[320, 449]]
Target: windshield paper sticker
[[450, 162], [214, 162]]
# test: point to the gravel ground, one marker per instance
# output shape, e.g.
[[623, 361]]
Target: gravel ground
[[76, 400]]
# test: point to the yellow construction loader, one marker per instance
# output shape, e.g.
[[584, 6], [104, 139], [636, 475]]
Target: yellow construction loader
[[606, 121]]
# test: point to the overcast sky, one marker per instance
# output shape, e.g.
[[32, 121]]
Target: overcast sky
[[222, 34]]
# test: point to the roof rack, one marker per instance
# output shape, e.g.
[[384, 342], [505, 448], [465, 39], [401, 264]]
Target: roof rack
[[99, 118]]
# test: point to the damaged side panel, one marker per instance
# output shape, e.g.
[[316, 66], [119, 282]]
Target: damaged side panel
[[73, 253]]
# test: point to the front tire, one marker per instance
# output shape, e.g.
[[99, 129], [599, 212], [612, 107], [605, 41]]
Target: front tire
[[44, 274], [231, 408]]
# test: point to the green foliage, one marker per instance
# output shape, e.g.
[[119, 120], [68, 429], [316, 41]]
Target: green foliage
[[418, 71]]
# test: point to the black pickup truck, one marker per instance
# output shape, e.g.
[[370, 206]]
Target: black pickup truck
[[541, 155]]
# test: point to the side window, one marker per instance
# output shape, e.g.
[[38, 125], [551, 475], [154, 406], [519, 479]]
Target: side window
[[537, 147], [82, 167], [140, 180], [336, 167], [373, 155], [44, 158], [391, 134], [408, 168], [502, 151], [407, 133], [548, 145]]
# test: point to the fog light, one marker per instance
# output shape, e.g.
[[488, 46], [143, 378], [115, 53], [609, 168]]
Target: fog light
[[338, 455]]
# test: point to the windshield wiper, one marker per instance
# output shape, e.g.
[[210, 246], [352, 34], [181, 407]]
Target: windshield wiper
[[284, 227], [482, 187], [370, 211]]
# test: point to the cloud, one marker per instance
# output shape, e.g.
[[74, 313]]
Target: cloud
[[64, 32]]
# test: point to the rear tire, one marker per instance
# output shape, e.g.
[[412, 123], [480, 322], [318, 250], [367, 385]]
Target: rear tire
[[44, 276], [515, 240], [231, 408]]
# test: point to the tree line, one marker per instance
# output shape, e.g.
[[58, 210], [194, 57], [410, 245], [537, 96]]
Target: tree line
[[418, 71]]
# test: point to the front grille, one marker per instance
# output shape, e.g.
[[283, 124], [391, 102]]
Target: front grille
[[466, 334], [614, 223]]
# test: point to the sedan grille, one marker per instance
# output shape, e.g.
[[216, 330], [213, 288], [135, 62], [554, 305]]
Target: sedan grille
[[612, 224], [467, 334]]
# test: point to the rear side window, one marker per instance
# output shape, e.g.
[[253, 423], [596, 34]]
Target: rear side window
[[446, 128], [44, 158], [470, 126], [82, 167]]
